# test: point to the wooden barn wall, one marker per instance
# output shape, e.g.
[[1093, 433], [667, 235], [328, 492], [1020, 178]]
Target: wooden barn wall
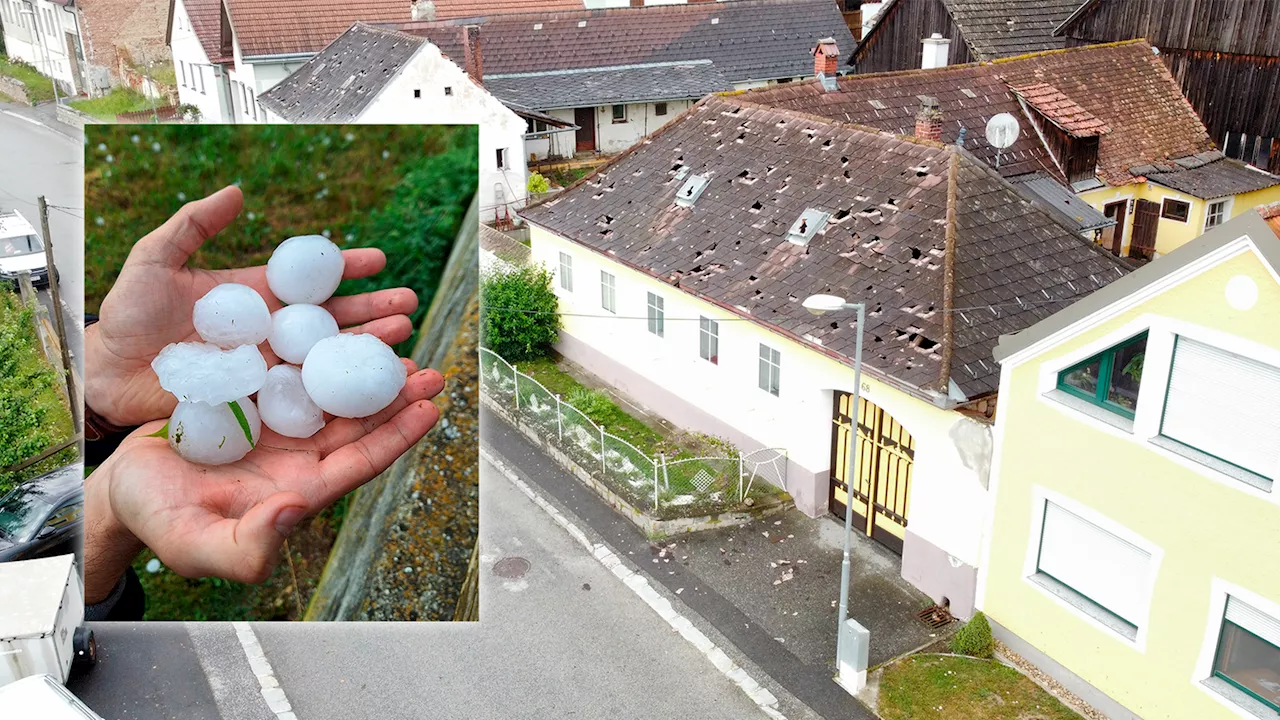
[[1243, 27], [896, 42], [1230, 92]]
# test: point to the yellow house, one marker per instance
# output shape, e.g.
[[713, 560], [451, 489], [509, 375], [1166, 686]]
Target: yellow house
[[1133, 549]]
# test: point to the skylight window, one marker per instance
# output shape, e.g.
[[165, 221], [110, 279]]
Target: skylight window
[[692, 190], [807, 226]]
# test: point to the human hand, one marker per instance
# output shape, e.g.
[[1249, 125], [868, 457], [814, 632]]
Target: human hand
[[229, 521], [150, 307]]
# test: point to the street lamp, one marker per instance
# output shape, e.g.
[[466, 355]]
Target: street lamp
[[818, 305]]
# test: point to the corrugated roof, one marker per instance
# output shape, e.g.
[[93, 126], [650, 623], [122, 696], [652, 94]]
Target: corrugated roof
[[1070, 209], [607, 85], [1216, 179], [885, 243]]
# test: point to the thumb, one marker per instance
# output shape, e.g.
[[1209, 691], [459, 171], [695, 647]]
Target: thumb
[[173, 242], [247, 549]]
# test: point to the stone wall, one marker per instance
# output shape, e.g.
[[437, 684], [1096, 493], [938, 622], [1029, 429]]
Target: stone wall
[[75, 118], [15, 89]]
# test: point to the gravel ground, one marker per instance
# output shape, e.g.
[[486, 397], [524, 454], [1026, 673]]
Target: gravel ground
[[1050, 685]]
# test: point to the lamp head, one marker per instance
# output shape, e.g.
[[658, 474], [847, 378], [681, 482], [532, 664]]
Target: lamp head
[[819, 304]]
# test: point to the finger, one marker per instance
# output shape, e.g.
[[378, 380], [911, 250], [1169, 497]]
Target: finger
[[390, 330], [362, 262], [244, 549], [173, 242], [340, 432], [356, 309], [357, 463]]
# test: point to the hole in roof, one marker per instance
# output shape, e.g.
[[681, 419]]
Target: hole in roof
[[780, 123], [835, 325], [841, 215], [844, 160], [915, 253], [826, 143], [756, 206], [847, 176], [741, 136], [769, 170]]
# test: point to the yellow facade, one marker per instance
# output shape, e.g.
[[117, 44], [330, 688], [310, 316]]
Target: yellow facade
[[1207, 527], [1172, 234]]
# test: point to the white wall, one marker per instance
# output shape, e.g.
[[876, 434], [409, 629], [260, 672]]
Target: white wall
[[642, 120], [44, 43], [204, 85], [429, 73], [560, 145]]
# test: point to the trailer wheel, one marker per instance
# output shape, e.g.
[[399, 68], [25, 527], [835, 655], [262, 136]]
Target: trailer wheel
[[85, 647]]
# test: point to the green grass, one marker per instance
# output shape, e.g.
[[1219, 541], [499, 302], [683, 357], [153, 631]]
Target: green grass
[[938, 686], [39, 87], [565, 178], [119, 100], [603, 411]]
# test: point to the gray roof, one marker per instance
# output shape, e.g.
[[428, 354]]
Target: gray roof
[[885, 243], [339, 82], [1215, 179], [1249, 223], [554, 89], [1064, 204], [1005, 28]]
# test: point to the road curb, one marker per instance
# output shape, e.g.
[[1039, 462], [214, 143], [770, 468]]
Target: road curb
[[272, 693], [639, 584]]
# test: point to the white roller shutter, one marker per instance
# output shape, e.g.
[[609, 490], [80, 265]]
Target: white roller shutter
[[1095, 563], [1225, 405], [1253, 620]]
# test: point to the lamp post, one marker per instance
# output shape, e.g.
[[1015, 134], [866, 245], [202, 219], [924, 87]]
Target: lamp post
[[818, 305]]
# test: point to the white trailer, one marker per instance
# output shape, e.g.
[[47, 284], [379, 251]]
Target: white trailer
[[41, 619]]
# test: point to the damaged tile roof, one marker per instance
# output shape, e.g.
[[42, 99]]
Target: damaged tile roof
[[886, 242], [556, 89], [1061, 110], [285, 27], [1218, 178], [1124, 85], [1005, 28], [746, 39]]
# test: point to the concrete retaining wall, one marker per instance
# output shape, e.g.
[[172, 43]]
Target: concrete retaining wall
[[75, 118]]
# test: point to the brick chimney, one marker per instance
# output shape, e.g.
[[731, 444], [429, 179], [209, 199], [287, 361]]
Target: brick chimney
[[422, 10], [473, 63], [929, 120], [826, 57]]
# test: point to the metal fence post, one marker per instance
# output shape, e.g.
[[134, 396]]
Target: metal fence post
[[655, 483], [559, 421], [515, 375], [666, 477], [603, 470], [741, 472]]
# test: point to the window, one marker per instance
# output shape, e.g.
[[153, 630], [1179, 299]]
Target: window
[[566, 272], [417, 93], [448, 91], [200, 73], [1094, 570], [1248, 652], [619, 113], [182, 73], [1222, 406], [659, 109], [770, 369], [1216, 213], [608, 292], [709, 340], [1109, 380], [65, 515], [655, 315], [502, 158], [1178, 210]]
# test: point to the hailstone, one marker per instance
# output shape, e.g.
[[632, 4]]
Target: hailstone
[[201, 372], [352, 376], [295, 328], [231, 315], [210, 433], [285, 406], [305, 269]]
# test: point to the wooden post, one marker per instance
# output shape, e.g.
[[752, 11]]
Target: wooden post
[[57, 313]]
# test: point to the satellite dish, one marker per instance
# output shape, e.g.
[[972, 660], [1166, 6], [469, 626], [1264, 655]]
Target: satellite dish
[[1002, 130]]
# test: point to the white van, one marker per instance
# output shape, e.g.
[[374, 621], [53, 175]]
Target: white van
[[41, 620], [42, 696], [21, 249]]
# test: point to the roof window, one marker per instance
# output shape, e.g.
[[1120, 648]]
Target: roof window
[[807, 226], [692, 190]]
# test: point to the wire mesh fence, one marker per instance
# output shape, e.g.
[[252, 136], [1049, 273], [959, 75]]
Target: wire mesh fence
[[651, 483]]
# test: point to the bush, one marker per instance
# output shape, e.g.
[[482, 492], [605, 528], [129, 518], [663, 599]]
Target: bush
[[538, 183], [519, 313], [974, 638]]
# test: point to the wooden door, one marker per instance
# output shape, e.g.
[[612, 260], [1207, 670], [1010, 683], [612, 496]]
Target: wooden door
[[1146, 220], [1113, 237], [881, 492], [585, 119]]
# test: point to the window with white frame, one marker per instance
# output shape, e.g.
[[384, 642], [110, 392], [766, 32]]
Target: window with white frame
[[608, 292], [1222, 407], [770, 369], [1098, 572], [566, 272], [655, 316], [1247, 656], [709, 340], [200, 72], [1216, 213]]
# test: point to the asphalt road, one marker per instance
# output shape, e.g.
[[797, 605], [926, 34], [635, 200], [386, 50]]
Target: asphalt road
[[39, 157], [567, 639]]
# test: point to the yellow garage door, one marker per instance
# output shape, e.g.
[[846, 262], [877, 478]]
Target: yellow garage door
[[881, 493]]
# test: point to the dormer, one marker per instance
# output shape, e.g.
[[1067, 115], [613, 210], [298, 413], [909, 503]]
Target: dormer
[[1070, 133]]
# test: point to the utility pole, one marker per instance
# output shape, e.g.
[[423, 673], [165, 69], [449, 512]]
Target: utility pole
[[146, 66], [57, 314]]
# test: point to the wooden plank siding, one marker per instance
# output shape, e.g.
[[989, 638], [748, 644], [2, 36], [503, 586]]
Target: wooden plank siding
[[895, 41]]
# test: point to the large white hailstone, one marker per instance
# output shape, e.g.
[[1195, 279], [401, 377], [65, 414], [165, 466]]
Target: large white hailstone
[[295, 328], [305, 269], [200, 372], [231, 315], [352, 376], [210, 433], [285, 405]]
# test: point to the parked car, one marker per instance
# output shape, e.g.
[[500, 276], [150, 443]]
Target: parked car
[[41, 696], [43, 517], [21, 249], [42, 628]]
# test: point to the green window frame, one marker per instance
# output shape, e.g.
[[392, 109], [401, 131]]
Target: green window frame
[[1217, 656], [1106, 368]]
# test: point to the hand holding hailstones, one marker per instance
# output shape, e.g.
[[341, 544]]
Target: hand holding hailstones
[[345, 375]]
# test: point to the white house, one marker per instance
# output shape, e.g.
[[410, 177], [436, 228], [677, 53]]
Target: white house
[[378, 75], [46, 34], [682, 266]]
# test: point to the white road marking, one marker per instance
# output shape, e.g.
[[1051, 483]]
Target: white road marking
[[24, 118], [271, 690], [639, 584]]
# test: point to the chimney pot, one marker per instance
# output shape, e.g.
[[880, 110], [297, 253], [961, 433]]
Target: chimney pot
[[937, 52], [929, 120], [422, 10], [826, 58], [472, 60]]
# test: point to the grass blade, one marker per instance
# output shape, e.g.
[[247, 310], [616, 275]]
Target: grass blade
[[244, 422]]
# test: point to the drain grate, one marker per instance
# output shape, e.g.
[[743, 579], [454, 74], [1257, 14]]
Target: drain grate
[[511, 568], [935, 616]]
